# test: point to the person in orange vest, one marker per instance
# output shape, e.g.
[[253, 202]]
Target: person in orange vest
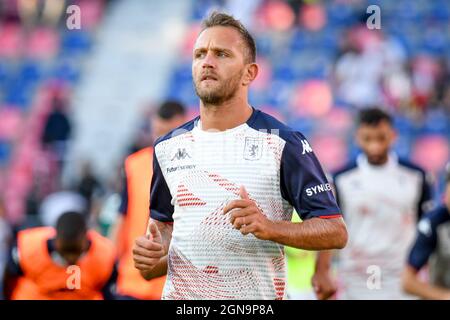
[[68, 262], [134, 209]]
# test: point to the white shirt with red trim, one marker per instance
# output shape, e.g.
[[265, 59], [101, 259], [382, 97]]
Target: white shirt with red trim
[[196, 173]]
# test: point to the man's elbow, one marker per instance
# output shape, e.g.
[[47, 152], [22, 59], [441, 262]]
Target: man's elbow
[[340, 236]]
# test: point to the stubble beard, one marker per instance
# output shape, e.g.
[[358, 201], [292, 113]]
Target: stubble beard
[[221, 94]]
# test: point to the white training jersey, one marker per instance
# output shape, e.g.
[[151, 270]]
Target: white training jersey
[[381, 206], [196, 173]]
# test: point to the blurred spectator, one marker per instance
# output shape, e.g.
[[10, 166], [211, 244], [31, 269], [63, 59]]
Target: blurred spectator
[[42, 263], [368, 56], [57, 130]]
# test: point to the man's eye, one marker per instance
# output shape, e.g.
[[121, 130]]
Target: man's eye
[[199, 55], [221, 54]]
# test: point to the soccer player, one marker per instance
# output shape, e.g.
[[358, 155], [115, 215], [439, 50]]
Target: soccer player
[[432, 245], [66, 262], [382, 198], [134, 207], [225, 184]]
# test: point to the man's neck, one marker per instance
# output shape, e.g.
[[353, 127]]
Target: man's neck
[[228, 115]]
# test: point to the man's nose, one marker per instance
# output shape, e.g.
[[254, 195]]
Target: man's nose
[[375, 148], [209, 61]]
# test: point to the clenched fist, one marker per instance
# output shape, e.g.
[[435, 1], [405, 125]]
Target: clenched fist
[[246, 216], [148, 250]]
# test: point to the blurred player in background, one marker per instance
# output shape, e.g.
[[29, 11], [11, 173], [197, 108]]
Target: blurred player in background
[[224, 186], [134, 207], [432, 246], [38, 266], [382, 198]]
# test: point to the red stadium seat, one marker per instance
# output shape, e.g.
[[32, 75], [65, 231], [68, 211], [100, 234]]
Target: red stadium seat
[[431, 152], [43, 43], [11, 123], [92, 11], [276, 15], [331, 150], [10, 40], [313, 17], [312, 98]]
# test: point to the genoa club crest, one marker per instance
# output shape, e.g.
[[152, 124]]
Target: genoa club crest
[[253, 148]]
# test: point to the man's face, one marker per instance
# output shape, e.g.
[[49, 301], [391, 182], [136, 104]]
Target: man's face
[[376, 141], [218, 64]]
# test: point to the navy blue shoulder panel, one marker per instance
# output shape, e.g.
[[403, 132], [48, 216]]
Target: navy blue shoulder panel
[[302, 181], [261, 120]]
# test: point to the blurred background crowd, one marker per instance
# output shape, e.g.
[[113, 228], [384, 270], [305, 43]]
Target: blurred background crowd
[[75, 103]]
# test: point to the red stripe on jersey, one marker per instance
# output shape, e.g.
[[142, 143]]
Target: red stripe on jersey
[[331, 217]]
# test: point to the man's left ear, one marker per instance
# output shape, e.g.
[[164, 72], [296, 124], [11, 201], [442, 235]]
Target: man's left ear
[[251, 71]]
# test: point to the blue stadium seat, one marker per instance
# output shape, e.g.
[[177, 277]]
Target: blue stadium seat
[[19, 94], [75, 42], [30, 72], [436, 122], [5, 152], [67, 70]]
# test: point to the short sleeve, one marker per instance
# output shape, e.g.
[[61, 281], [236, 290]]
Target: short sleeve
[[424, 245], [161, 208], [302, 180]]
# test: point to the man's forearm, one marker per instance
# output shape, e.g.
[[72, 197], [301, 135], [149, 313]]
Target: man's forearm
[[311, 234], [323, 260], [412, 285], [158, 271]]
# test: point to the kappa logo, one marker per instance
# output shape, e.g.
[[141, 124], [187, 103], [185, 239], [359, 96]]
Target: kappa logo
[[253, 148], [181, 154], [306, 147]]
